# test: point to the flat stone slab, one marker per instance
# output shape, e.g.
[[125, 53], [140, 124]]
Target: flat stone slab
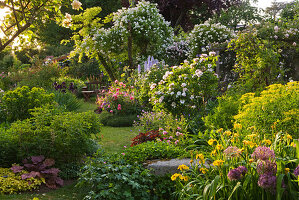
[[162, 167]]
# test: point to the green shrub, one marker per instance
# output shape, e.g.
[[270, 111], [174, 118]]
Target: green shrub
[[65, 137], [108, 119], [18, 102], [153, 150], [8, 149], [222, 115], [275, 109], [257, 61], [67, 100], [13, 183], [37, 76], [111, 178]]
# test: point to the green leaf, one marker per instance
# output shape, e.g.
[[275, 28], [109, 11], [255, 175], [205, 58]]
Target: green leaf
[[234, 190], [279, 189]]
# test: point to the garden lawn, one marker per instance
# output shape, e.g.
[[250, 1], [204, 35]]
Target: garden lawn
[[87, 106], [115, 138]]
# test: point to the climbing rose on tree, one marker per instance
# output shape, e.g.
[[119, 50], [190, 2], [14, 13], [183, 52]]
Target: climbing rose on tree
[[76, 4]]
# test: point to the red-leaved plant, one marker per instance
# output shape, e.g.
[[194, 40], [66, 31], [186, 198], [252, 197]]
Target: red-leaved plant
[[144, 137], [38, 166]]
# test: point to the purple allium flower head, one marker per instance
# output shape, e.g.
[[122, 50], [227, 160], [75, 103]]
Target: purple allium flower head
[[237, 174], [296, 171], [267, 166], [243, 170], [234, 174], [263, 153], [267, 182]]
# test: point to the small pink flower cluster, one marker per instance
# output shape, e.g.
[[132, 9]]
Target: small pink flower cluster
[[172, 138]]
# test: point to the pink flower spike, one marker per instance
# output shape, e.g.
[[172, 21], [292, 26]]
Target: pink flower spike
[[179, 128], [125, 146], [123, 154]]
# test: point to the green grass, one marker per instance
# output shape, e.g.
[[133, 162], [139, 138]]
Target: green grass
[[115, 138], [87, 106]]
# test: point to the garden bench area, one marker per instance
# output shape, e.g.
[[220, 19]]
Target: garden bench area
[[157, 100]]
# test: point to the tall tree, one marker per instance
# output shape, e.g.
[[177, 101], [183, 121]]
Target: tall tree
[[185, 12], [274, 10], [24, 14]]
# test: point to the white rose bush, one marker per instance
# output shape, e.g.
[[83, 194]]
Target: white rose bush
[[185, 89], [203, 36]]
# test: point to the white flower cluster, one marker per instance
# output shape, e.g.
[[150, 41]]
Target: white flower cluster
[[204, 35], [145, 23]]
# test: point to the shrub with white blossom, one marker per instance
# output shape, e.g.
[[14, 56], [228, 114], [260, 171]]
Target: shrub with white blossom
[[185, 89], [204, 35]]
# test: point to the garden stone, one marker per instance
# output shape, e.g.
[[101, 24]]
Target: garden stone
[[162, 167]]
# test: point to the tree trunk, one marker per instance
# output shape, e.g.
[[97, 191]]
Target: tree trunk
[[108, 69], [130, 47]]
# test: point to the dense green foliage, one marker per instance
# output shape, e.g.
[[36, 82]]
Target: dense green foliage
[[275, 108], [16, 104], [65, 137], [151, 151]]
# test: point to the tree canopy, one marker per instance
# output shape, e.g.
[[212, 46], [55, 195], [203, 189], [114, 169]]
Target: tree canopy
[[24, 14]]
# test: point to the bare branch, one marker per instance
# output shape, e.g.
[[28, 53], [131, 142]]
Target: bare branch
[[16, 16]]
